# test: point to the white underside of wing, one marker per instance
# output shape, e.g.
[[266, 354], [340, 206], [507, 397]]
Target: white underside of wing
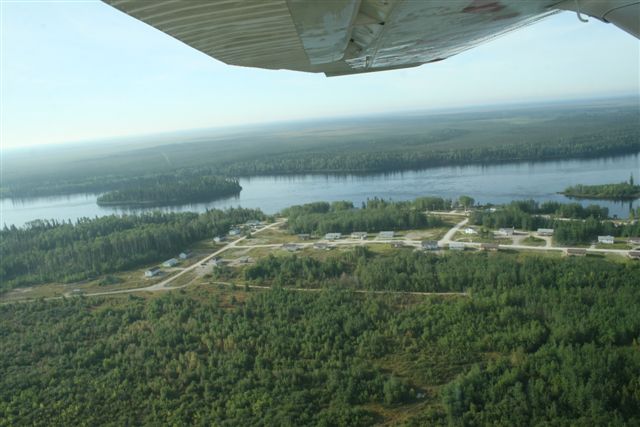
[[335, 37]]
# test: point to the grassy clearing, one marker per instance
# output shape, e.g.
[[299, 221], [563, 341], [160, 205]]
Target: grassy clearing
[[617, 245], [533, 241], [476, 238]]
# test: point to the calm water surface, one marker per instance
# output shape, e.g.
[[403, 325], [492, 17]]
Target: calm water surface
[[487, 184]]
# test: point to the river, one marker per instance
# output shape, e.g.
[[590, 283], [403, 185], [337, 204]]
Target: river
[[487, 184]]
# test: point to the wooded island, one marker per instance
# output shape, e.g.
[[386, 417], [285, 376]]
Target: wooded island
[[621, 191]]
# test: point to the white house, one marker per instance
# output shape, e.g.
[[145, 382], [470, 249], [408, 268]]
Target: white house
[[469, 230], [218, 239], [234, 232], [332, 236], [152, 272], [545, 231], [507, 231], [170, 262], [606, 240], [386, 234], [185, 255], [456, 246], [430, 245], [361, 235]]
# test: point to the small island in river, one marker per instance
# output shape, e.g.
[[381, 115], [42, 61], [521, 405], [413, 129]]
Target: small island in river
[[176, 190], [622, 191]]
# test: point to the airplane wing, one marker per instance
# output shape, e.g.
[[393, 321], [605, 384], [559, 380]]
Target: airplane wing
[[339, 37]]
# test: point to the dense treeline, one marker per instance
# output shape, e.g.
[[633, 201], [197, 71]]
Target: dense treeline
[[168, 190], [621, 191], [539, 341], [46, 251], [588, 222], [374, 215], [423, 156], [413, 271]]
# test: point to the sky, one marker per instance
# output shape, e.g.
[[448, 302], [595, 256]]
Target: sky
[[81, 70]]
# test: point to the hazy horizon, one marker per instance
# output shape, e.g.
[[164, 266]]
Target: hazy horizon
[[225, 131]]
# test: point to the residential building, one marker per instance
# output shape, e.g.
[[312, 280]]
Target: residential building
[[576, 252], [634, 254], [634, 241], [386, 234], [508, 231], [332, 236], [469, 230], [152, 272], [456, 246], [291, 247], [545, 231], [608, 240], [361, 235], [234, 231], [185, 255], [322, 246], [489, 246], [219, 239], [304, 236], [170, 262], [430, 245]]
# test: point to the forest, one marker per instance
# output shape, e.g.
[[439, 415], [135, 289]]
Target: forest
[[537, 341], [46, 251], [374, 215], [620, 191], [172, 190], [422, 157]]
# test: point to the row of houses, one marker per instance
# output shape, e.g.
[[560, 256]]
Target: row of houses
[[507, 231], [360, 235], [253, 225], [154, 271], [172, 262]]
